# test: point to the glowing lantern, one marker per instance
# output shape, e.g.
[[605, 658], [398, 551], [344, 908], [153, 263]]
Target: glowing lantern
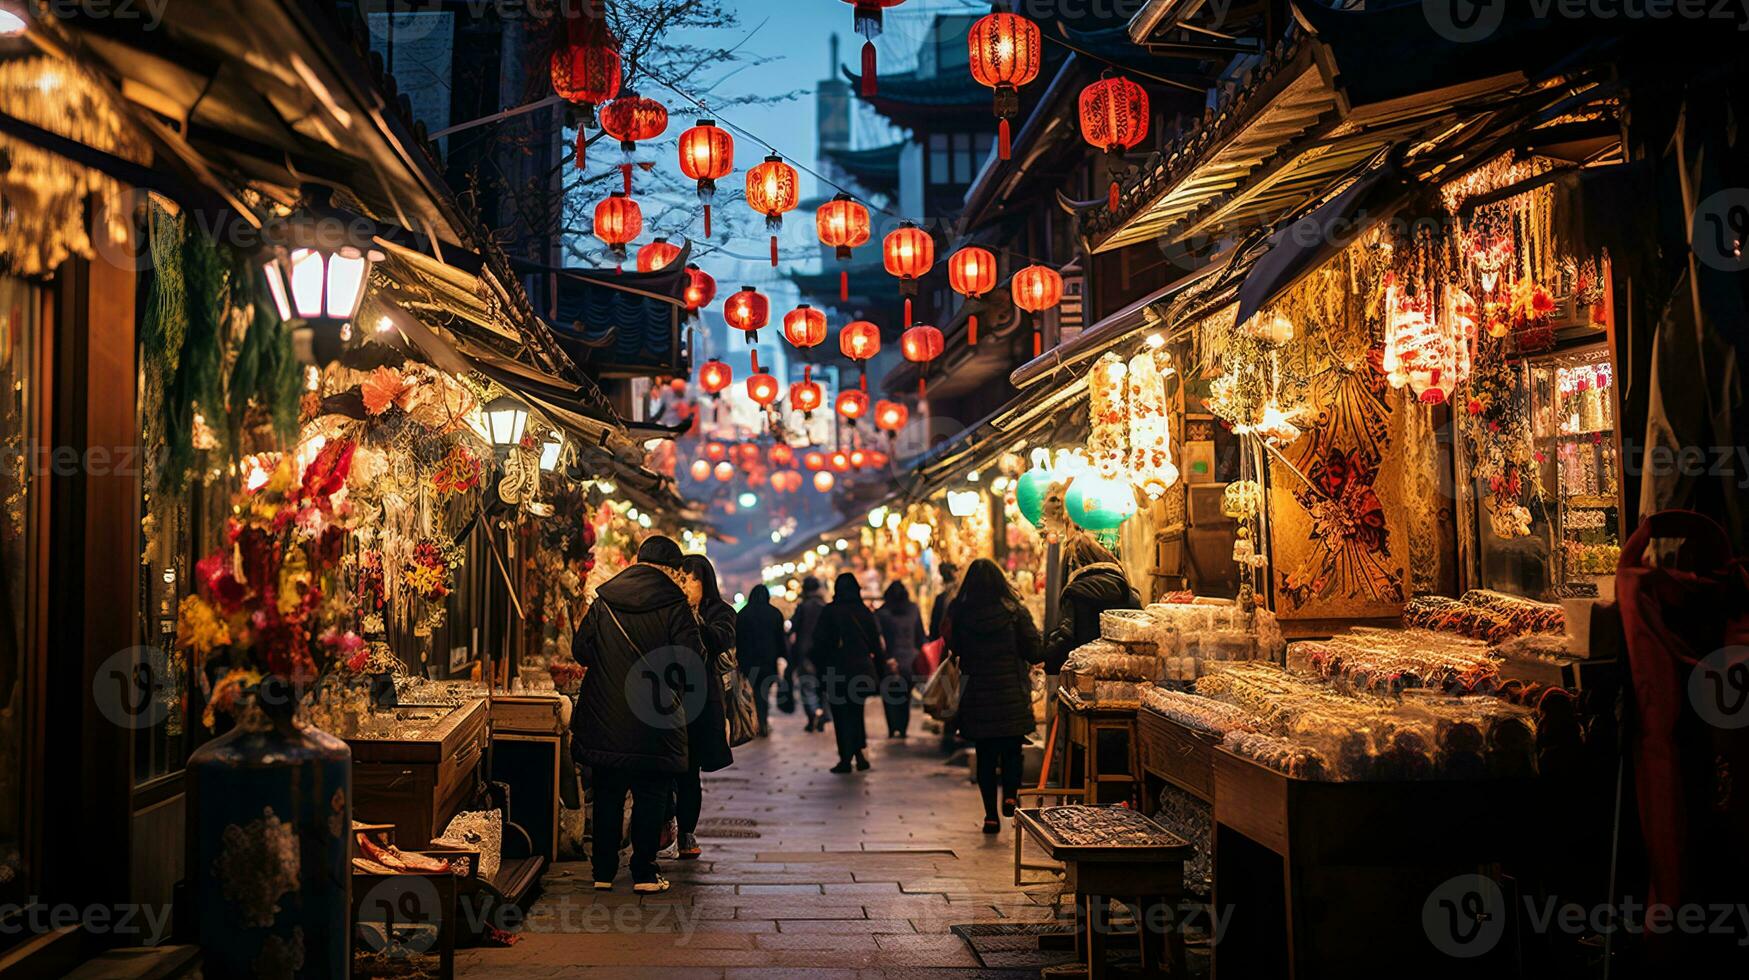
[[1036, 288], [1030, 492], [707, 155], [1100, 505], [701, 470], [747, 310], [762, 388], [860, 340], [824, 480], [890, 416], [908, 252], [715, 451], [700, 289], [783, 455], [921, 344], [858, 458], [814, 460], [804, 326], [843, 225], [876, 458], [772, 189], [631, 119], [318, 274], [618, 220], [714, 376], [1114, 118], [724, 472], [656, 255], [971, 272], [806, 396], [1004, 51], [839, 462], [586, 68], [852, 404], [868, 24]]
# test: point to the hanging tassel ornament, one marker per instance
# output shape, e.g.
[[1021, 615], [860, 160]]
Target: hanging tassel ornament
[[868, 24]]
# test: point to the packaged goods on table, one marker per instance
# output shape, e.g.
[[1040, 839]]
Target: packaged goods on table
[[1525, 615], [1108, 661], [1485, 615], [1390, 661], [1195, 712]]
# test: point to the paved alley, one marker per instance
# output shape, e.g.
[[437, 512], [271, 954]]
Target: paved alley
[[828, 876]]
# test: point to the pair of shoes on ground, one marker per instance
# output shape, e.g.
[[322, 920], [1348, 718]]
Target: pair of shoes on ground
[[844, 765], [641, 887]]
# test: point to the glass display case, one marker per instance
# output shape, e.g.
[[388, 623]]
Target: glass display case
[[1573, 423]]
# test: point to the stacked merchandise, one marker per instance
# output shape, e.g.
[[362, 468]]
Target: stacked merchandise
[[1484, 615], [1186, 635], [1105, 671], [1381, 661]]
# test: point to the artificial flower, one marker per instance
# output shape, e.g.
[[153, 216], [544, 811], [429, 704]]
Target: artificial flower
[[198, 627]]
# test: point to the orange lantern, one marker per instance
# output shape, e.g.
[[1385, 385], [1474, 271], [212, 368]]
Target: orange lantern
[[839, 462], [804, 326], [657, 255], [701, 470], [747, 310], [843, 225], [921, 344], [852, 404], [806, 396], [715, 451], [772, 189], [724, 472], [700, 289], [971, 272], [1036, 288], [890, 416], [762, 388], [908, 252], [824, 480], [714, 376], [859, 340], [1114, 118], [707, 155], [631, 119], [814, 460], [1004, 51], [618, 220], [876, 458], [858, 458], [586, 68], [868, 24], [782, 455]]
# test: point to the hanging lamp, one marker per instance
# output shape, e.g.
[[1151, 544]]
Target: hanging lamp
[[971, 272], [772, 189], [1114, 118], [1005, 54], [707, 155], [1036, 288], [908, 252], [843, 224]]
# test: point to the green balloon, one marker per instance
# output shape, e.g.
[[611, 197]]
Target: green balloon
[[1030, 492], [1097, 504]]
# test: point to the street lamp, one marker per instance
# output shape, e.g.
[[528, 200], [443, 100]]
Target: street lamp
[[505, 419], [317, 278], [550, 451]]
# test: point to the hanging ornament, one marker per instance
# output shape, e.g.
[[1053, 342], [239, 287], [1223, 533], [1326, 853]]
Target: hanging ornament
[[782, 455], [858, 458], [700, 470], [618, 220], [772, 189], [921, 344], [1107, 421], [656, 255], [700, 289], [586, 68], [852, 403], [1427, 349], [631, 119], [868, 24], [804, 327], [1030, 492], [838, 462], [843, 225], [1036, 288], [1114, 118], [724, 472], [1100, 504], [860, 340], [808, 395], [814, 460], [762, 388], [908, 252], [890, 417], [715, 451], [707, 155], [747, 310], [824, 480], [1150, 436], [971, 272], [877, 459], [1005, 53], [714, 376]]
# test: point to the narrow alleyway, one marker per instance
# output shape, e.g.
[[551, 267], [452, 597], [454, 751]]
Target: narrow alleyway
[[804, 873]]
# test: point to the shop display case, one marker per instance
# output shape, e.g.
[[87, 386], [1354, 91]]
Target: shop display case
[[1573, 424]]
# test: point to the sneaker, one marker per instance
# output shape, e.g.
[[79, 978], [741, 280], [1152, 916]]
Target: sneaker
[[689, 849], [647, 887], [668, 834], [604, 886]]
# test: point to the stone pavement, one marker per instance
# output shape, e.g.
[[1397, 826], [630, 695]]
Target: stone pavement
[[804, 874]]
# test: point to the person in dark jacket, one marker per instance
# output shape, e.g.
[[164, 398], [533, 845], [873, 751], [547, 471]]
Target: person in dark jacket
[[643, 660], [759, 642], [804, 679], [1093, 582], [902, 634], [996, 643], [938, 611], [847, 646], [707, 732]]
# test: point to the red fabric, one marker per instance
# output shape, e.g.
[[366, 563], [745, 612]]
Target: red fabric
[[928, 658]]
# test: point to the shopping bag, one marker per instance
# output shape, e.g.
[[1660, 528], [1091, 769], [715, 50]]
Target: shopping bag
[[941, 696], [738, 704], [928, 658]]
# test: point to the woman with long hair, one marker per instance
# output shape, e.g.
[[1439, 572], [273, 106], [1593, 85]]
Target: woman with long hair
[[1093, 582], [707, 736], [902, 632], [996, 642], [847, 645]]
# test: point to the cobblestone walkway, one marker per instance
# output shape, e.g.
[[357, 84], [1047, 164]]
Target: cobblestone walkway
[[858, 876]]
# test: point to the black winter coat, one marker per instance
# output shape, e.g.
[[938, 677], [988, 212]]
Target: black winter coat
[[1090, 591], [847, 647], [707, 733], [901, 633], [996, 644], [656, 660], [802, 627], [759, 636]]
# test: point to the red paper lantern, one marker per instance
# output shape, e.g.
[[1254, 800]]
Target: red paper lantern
[[843, 225], [657, 255], [1005, 54], [852, 404], [1036, 288], [762, 388], [1114, 118], [908, 252], [707, 155], [858, 458], [772, 189], [859, 340], [631, 119], [701, 470], [747, 310], [814, 460], [921, 344], [700, 289], [877, 459], [806, 397], [782, 455], [715, 451], [618, 220], [824, 480], [890, 416], [868, 24], [971, 272], [714, 376], [724, 472], [804, 326], [839, 462], [586, 68]]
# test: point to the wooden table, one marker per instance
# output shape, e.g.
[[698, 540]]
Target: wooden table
[[528, 736], [1148, 876], [419, 782]]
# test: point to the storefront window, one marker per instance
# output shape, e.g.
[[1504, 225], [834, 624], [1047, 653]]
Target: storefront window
[[19, 329]]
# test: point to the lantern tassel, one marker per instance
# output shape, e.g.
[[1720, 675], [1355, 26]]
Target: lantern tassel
[[754, 354], [1038, 341], [843, 285], [707, 221], [972, 330], [868, 69], [907, 313], [774, 251], [625, 170], [1002, 142], [1111, 198], [922, 387]]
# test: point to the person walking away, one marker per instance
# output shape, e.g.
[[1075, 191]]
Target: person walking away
[[847, 646], [902, 634], [707, 732], [997, 643], [804, 679], [1093, 582], [938, 610], [641, 651], [759, 642]]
